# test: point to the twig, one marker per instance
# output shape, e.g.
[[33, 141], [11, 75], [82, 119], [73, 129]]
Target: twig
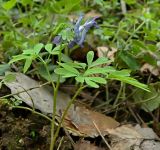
[[30, 97], [69, 137], [118, 95], [134, 115], [102, 136], [133, 33], [123, 7], [60, 143], [39, 86]]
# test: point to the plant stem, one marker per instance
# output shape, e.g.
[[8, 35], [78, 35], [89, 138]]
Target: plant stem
[[118, 95], [54, 112], [65, 113], [133, 33], [55, 104], [25, 90], [45, 65]]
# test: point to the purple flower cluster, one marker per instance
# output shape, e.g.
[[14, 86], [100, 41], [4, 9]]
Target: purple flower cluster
[[80, 32]]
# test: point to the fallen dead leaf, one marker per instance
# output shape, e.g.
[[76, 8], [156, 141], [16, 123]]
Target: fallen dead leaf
[[149, 68], [86, 145], [90, 14], [79, 120], [104, 51], [136, 138], [83, 119]]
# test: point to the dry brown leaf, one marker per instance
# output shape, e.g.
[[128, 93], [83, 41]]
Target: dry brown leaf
[[79, 120], [104, 51], [86, 145], [149, 68], [83, 119], [90, 14], [128, 137]]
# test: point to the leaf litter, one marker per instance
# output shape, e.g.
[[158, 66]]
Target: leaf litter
[[81, 121], [78, 118]]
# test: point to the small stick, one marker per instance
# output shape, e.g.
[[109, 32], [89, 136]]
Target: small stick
[[102, 136], [60, 143], [123, 7]]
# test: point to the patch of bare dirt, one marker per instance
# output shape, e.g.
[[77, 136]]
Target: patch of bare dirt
[[22, 130]]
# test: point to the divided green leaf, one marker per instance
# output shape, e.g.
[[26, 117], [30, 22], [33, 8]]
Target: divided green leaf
[[27, 65], [149, 101], [69, 68], [65, 73], [9, 4], [80, 79], [4, 68], [100, 61], [91, 83], [128, 80], [48, 47], [90, 56], [95, 71], [37, 48], [98, 80]]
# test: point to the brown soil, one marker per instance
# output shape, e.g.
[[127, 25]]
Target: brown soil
[[22, 130]]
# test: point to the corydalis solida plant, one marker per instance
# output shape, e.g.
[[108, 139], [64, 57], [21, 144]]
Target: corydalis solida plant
[[80, 31]]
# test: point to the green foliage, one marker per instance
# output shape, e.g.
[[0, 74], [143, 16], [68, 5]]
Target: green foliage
[[28, 55], [48, 48], [149, 101], [129, 60], [29, 27], [4, 68], [65, 6], [7, 78], [123, 76], [135, 35], [10, 102], [67, 34], [41, 70], [83, 72], [9, 5], [86, 72]]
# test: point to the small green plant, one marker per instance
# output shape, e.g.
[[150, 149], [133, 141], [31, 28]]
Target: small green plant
[[86, 73], [91, 74], [82, 72], [7, 78], [28, 28]]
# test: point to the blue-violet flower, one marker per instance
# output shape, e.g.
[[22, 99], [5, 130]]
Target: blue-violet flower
[[80, 32]]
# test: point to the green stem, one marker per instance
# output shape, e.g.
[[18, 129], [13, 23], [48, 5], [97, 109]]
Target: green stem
[[133, 33], [116, 34], [118, 95], [45, 65], [55, 104], [65, 113], [75, 47], [54, 112]]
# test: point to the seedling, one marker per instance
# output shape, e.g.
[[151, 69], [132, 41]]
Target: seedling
[[91, 74]]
